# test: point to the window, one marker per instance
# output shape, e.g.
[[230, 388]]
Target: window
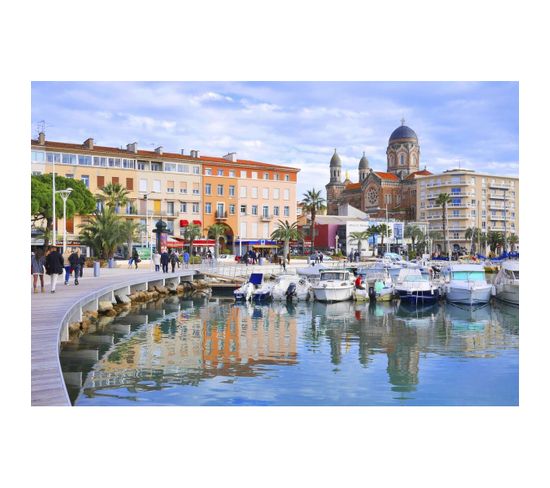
[[196, 207], [130, 184], [277, 176], [456, 235], [69, 175], [220, 190], [287, 211], [37, 156], [208, 189], [220, 209], [243, 209], [243, 229], [68, 158], [143, 165], [265, 193], [156, 166], [232, 173], [170, 208], [196, 190], [266, 176], [232, 208], [254, 192], [114, 162], [208, 171], [196, 170], [243, 173], [254, 230], [183, 168], [128, 163], [276, 211], [286, 194], [142, 184], [100, 182], [242, 192], [483, 225], [254, 209], [156, 185], [254, 175], [456, 213], [100, 161], [54, 157], [183, 207], [276, 194], [114, 180], [130, 210], [265, 233], [287, 178], [265, 211], [219, 172], [208, 208], [86, 180], [170, 186], [484, 213], [183, 187], [231, 190]]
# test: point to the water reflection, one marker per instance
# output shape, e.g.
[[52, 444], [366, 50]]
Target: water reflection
[[312, 354]]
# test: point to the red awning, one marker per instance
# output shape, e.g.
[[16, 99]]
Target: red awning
[[184, 223], [204, 242], [197, 222]]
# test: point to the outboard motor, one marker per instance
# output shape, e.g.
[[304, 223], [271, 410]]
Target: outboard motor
[[291, 291], [372, 294]]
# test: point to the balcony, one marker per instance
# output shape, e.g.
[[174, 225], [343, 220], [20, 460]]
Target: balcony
[[498, 196], [457, 195], [452, 205], [221, 215], [447, 183], [500, 186], [266, 218]]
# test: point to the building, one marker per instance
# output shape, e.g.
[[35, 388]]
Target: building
[[179, 188], [484, 201], [381, 194]]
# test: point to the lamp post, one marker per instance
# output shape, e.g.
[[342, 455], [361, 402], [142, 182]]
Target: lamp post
[[149, 240], [54, 234], [337, 249], [504, 203], [64, 195]]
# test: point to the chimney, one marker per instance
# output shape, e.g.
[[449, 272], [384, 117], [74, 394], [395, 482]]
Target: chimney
[[89, 143], [231, 157], [194, 153], [183, 152], [42, 138], [159, 149], [132, 147]]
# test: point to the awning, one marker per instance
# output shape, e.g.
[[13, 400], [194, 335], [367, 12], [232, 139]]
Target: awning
[[184, 223], [197, 222], [265, 246]]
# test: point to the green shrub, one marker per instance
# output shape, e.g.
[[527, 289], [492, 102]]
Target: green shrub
[[195, 260]]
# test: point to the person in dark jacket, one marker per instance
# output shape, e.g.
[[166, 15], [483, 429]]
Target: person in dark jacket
[[82, 264], [173, 261], [135, 257], [54, 266], [74, 261], [164, 259]]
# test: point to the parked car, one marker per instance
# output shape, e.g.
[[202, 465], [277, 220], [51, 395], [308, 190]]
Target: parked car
[[226, 257]]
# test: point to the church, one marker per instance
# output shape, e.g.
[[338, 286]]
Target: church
[[376, 192]]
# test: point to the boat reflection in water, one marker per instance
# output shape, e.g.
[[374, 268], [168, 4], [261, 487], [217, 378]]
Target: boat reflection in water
[[344, 353]]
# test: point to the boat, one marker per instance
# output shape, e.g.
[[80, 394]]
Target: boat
[[466, 284], [312, 273], [245, 292], [334, 286], [264, 292], [414, 287], [507, 282], [379, 286], [291, 287]]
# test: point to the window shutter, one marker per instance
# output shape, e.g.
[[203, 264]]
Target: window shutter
[[129, 183], [100, 181]]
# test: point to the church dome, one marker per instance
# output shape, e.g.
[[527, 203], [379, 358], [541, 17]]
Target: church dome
[[335, 161], [364, 162], [403, 132]]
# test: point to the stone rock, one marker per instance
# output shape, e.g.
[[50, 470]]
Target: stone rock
[[171, 286], [180, 289], [111, 313], [91, 314], [74, 326], [121, 298], [104, 320], [162, 290], [104, 306]]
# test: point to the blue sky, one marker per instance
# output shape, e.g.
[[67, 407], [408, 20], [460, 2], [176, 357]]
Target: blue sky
[[292, 123]]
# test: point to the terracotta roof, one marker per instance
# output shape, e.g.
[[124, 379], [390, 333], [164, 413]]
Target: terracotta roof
[[152, 154], [353, 186], [386, 176], [423, 172]]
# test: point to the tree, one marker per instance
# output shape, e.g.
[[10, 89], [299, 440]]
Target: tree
[[360, 237], [103, 232], [443, 199], [81, 201], [415, 234], [286, 232], [384, 231], [114, 195], [373, 231], [473, 234], [495, 240], [191, 232], [217, 232], [130, 229], [513, 240], [313, 203]]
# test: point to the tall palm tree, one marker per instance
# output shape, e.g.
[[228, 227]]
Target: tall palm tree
[[130, 229], [473, 234], [103, 233], [191, 232], [415, 234], [495, 240], [114, 195], [360, 237], [373, 231], [313, 203], [217, 232], [385, 231], [286, 232], [513, 240], [443, 200]]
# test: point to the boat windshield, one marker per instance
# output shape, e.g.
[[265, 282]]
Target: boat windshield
[[512, 274], [333, 275], [469, 276]]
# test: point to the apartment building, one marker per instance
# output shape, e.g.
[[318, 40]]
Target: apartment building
[[485, 201]]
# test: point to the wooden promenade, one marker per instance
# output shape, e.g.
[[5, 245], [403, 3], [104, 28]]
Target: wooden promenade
[[51, 310]]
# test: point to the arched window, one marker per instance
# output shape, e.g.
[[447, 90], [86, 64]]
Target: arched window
[[401, 159]]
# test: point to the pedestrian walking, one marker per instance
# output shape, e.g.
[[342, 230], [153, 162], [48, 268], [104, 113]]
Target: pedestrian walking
[[82, 264], [67, 265], [156, 261], [54, 266], [164, 259], [37, 270], [135, 258], [320, 257], [173, 261], [186, 259], [74, 261]]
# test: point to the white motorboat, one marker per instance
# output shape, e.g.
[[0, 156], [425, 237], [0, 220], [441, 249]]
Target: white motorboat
[[245, 292], [466, 283], [264, 292], [312, 273], [414, 287], [507, 282], [334, 286], [378, 285], [291, 287]]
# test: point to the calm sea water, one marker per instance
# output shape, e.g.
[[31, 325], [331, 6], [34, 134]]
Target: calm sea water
[[180, 352]]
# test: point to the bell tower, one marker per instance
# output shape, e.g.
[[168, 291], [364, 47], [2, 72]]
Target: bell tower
[[335, 186], [403, 151]]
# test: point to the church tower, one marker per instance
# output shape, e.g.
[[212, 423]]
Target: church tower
[[335, 186], [403, 151], [363, 168]]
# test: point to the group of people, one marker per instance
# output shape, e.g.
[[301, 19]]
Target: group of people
[[170, 257], [53, 263], [354, 256], [316, 257]]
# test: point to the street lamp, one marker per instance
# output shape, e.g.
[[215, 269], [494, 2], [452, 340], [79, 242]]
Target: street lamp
[[149, 240], [53, 203], [64, 195], [337, 250]]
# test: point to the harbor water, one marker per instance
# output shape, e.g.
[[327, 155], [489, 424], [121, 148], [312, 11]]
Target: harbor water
[[214, 352]]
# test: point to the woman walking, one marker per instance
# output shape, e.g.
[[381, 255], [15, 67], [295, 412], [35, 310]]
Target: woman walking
[[156, 261], [37, 270], [54, 266], [67, 265]]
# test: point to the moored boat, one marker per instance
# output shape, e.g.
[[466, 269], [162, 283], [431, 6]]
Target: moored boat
[[334, 286], [466, 284], [507, 282], [291, 287], [414, 287], [378, 285], [245, 292]]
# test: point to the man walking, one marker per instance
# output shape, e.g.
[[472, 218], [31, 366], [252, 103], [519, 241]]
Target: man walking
[[74, 261], [164, 258], [54, 266], [173, 261], [186, 259]]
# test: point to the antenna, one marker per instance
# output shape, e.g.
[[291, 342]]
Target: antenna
[[40, 127]]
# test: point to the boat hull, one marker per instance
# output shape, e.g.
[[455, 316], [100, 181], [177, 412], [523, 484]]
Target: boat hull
[[469, 296], [415, 296], [508, 293], [333, 294]]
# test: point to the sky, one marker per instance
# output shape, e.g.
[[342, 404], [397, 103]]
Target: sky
[[473, 125]]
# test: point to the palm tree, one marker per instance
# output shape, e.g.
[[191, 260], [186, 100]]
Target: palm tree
[[103, 233], [385, 231], [286, 232], [495, 240], [114, 195], [473, 234], [217, 232], [191, 232], [373, 231], [360, 237], [513, 240], [443, 199], [130, 229], [415, 234], [313, 202]]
